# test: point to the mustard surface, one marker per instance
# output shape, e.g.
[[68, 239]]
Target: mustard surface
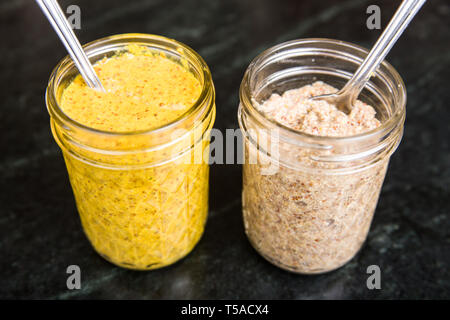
[[138, 218], [144, 90]]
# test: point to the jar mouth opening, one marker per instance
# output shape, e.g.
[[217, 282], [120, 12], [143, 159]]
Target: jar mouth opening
[[348, 50], [111, 44]]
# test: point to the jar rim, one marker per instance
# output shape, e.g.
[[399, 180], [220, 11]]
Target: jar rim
[[92, 47], [322, 141]]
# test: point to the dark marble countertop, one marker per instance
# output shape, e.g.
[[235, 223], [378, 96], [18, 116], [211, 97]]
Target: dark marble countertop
[[40, 232]]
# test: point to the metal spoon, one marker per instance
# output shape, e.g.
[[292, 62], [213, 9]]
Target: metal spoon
[[345, 98], [58, 20]]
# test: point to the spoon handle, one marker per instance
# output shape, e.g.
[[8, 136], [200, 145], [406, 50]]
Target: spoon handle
[[395, 28], [56, 16]]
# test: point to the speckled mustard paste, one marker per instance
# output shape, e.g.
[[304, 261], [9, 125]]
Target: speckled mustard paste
[[142, 218]]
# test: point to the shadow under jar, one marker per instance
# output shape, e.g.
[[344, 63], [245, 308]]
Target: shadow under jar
[[142, 196], [308, 201]]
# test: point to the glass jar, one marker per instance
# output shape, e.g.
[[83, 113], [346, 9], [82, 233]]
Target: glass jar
[[308, 201], [142, 196]]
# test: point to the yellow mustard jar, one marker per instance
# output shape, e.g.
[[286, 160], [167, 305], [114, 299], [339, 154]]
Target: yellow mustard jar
[[137, 154]]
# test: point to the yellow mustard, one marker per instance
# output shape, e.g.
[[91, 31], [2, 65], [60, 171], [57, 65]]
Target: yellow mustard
[[144, 90], [148, 217]]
